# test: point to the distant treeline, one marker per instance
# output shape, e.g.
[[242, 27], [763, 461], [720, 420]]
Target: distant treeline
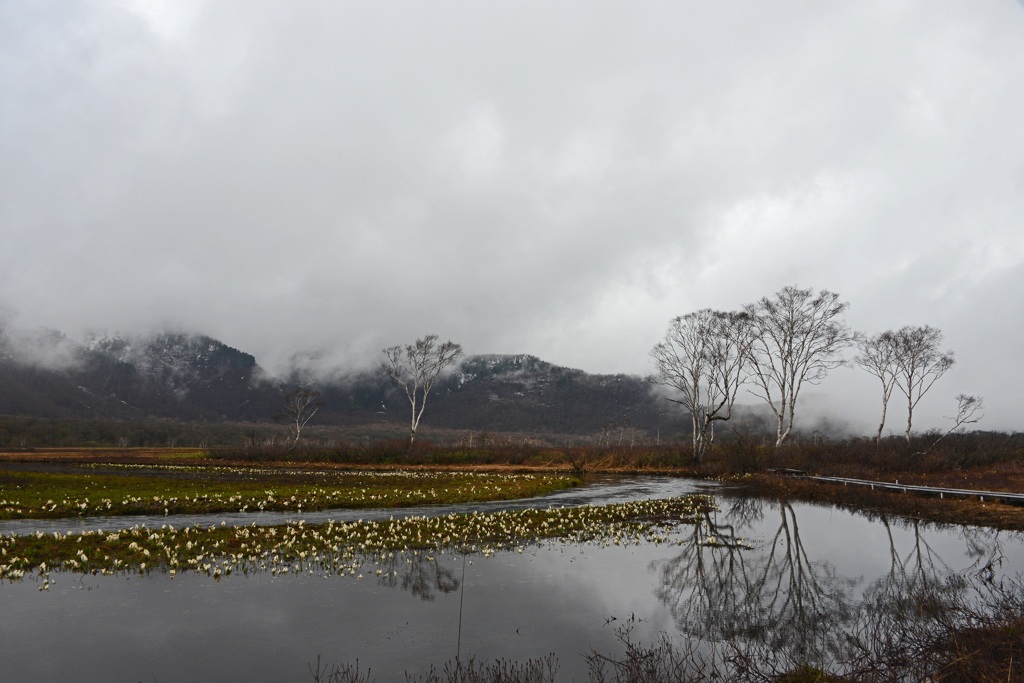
[[737, 450], [17, 432], [34, 432]]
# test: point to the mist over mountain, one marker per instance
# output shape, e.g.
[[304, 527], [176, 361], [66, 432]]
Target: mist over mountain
[[174, 375], [194, 377]]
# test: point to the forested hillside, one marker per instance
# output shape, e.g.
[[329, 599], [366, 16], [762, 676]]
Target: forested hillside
[[196, 378]]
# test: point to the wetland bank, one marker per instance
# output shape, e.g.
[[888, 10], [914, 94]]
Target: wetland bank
[[610, 566]]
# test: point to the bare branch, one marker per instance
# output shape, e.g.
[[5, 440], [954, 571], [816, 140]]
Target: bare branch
[[967, 409]]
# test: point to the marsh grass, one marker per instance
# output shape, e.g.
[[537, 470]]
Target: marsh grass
[[975, 459], [541, 670], [872, 503], [371, 547], [735, 452], [524, 453], [177, 490]]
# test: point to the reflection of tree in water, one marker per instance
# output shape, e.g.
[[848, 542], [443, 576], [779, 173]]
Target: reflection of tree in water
[[800, 605], [420, 573], [908, 615], [920, 571], [705, 585], [718, 591], [779, 607]]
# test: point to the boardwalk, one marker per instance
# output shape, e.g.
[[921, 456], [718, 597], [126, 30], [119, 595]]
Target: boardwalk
[[1005, 496]]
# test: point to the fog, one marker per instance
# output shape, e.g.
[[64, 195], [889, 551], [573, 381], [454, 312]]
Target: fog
[[312, 182]]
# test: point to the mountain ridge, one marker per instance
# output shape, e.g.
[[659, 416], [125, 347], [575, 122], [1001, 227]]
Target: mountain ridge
[[194, 377]]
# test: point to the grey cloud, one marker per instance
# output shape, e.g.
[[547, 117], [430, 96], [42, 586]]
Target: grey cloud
[[551, 179]]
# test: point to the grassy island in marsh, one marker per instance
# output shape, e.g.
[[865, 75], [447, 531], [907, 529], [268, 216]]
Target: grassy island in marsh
[[170, 489]]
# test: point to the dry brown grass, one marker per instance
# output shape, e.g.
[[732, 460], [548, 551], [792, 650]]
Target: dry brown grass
[[928, 508], [983, 461]]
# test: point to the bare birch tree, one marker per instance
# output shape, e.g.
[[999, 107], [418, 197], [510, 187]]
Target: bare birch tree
[[798, 338], [919, 364], [300, 405], [415, 367], [878, 356], [967, 408], [704, 356]]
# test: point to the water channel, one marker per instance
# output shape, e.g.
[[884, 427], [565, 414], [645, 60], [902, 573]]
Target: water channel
[[800, 569]]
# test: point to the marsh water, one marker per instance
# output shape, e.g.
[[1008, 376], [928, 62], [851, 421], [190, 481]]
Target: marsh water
[[787, 571], [600, 490]]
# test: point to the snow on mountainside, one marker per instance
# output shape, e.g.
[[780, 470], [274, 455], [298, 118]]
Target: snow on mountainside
[[478, 368], [181, 362], [506, 392], [115, 346], [173, 375]]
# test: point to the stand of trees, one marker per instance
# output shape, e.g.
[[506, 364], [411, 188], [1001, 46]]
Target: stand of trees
[[783, 342], [704, 357], [908, 358]]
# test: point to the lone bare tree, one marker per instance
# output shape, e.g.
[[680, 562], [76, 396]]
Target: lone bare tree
[[704, 356], [919, 364], [878, 356], [300, 405], [414, 367], [967, 408], [798, 338]]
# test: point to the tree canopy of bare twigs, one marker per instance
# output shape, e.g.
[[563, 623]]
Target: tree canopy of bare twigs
[[798, 337], [919, 363], [878, 356], [908, 358], [704, 356], [300, 405], [414, 368]]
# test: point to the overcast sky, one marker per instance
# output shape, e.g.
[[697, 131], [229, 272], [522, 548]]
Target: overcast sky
[[553, 178]]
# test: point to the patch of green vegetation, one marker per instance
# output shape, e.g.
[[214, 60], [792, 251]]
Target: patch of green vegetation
[[338, 548], [210, 490]]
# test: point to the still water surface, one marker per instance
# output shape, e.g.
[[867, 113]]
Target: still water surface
[[799, 563]]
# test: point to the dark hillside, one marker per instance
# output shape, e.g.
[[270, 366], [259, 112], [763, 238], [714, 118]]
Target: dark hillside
[[196, 378]]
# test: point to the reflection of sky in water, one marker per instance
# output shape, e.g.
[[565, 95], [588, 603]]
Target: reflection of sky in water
[[553, 599], [269, 628], [860, 547]]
